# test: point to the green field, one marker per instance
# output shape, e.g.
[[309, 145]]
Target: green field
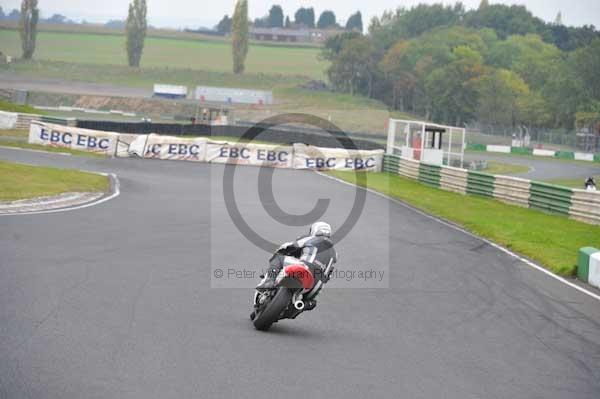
[[205, 55], [19, 181], [101, 58], [551, 240], [500, 168]]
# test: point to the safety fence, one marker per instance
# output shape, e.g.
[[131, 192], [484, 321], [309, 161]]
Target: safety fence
[[505, 149], [577, 204], [204, 149], [275, 134]]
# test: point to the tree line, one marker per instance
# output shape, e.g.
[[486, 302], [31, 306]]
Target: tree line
[[303, 18], [59, 19], [497, 64], [15, 15], [136, 27]]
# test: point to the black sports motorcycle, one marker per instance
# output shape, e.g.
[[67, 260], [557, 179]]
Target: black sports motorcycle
[[296, 288]]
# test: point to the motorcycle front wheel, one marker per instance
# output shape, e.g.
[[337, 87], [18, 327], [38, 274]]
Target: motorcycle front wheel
[[272, 310]]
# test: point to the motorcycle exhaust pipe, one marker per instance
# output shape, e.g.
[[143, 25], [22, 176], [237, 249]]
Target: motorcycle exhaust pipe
[[299, 305]]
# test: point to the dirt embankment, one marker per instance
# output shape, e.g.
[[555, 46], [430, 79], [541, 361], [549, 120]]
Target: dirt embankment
[[137, 105], [140, 106]]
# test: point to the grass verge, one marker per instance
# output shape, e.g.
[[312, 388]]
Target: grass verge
[[14, 133], [551, 240], [11, 107], [500, 168], [572, 183], [26, 145], [533, 157], [19, 181]]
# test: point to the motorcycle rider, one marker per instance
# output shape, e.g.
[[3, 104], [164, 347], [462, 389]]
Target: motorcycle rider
[[590, 184], [315, 250]]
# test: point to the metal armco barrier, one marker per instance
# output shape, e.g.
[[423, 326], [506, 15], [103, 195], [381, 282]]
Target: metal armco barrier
[[577, 204]]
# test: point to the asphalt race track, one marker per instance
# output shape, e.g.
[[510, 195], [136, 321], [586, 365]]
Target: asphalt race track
[[115, 301], [542, 168]]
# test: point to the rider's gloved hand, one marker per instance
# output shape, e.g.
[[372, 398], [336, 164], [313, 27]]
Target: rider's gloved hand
[[285, 246]]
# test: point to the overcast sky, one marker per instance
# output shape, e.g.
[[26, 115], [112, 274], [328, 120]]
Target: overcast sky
[[193, 13]]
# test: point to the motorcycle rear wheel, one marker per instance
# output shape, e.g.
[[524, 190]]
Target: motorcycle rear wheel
[[273, 309]]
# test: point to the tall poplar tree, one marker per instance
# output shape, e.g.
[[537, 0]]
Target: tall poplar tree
[[30, 15], [136, 28], [239, 33]]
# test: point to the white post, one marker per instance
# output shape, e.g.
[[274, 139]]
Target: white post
[[391, 137], [450, 148], [462, 153], [423, 139]]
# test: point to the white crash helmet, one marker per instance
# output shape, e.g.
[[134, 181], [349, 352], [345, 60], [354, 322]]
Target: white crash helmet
[[320, 229]]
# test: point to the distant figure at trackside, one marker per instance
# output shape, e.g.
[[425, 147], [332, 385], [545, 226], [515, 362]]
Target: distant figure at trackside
[[590, 184]]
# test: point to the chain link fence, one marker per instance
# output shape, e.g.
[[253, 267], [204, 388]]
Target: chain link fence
[[553, 139]]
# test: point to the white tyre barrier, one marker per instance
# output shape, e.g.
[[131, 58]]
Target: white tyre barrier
[[175, 148], [505, 149], [320, 158], [544, 153], [73, 138], [250, 154], [580, 156]]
